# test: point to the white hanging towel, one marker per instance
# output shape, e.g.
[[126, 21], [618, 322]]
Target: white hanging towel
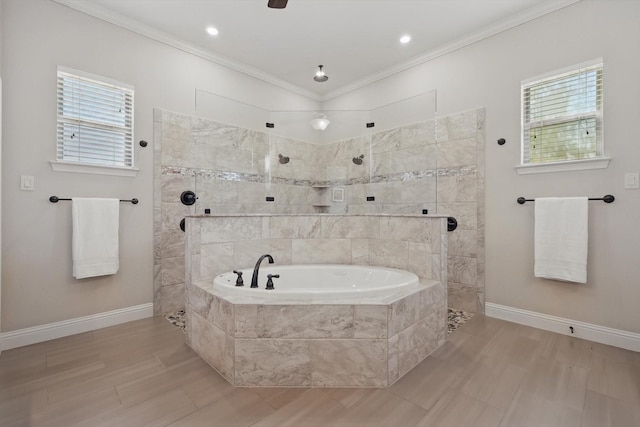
[[561, 237], [95, 243]]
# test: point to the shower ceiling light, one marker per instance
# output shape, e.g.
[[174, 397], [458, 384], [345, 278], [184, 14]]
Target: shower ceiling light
[[320, 123], [320, 76], [212, 31], [405, 39]]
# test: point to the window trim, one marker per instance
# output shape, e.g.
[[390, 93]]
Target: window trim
[[61, 165], [563, 166], [77, 167], [598, 162]]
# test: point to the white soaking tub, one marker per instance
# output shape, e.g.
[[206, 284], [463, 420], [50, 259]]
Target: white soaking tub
[[318, 283]]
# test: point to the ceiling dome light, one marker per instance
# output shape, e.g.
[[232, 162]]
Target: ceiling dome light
[[212, 31], [405, 39], [320, 76], [320, 123]]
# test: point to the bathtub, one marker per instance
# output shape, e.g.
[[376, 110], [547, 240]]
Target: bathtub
[[319, 284], [322, 325]]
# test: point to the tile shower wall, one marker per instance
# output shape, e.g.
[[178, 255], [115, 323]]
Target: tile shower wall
[[436, 165], [225, 166], [420, 166]]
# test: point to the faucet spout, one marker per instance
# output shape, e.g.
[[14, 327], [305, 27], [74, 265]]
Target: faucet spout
[[254, 278]]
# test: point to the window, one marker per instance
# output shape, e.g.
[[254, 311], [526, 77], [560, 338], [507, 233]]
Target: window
[[95, 120], [562, 116]]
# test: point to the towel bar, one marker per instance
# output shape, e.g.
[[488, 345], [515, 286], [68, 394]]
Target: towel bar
[[56, 199], [607, 199]]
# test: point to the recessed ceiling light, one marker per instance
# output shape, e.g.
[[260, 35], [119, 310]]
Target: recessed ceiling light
[[212, 31], [405, 39]]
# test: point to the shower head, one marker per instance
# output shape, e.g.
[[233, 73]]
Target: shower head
[[358, 160], [283, 159]]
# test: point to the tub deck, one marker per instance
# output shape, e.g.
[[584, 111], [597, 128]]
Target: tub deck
[[369, 344]]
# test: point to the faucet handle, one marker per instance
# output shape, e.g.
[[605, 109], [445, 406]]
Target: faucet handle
[[239, 281], [270, 281]]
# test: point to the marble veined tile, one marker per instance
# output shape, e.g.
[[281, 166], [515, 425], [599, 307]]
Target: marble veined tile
[[406, 229], [219, 230], [418, 134], [214, 134], [463, 125], [462, 152], [360, 251], [172, 271], [404, 313], [305, 321], [176, 126], [172, 297], [358, 227], [370, 321], [173, 185], [273, 363], [463, 243], [247, 252], [246, 321], [177, 152], [388, 253], [387, 140], [462, 188], [212, 345], [420, 262], [216, 259], [213, 191], [412, 159], [303, 227], [417, 342], [463, 270], [392, 354], [349, 363], [321, 251]]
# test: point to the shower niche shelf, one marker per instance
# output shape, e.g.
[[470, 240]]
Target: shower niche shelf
[[322, 198]]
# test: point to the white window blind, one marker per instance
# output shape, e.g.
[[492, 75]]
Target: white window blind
[[562, 116], [95, 120]]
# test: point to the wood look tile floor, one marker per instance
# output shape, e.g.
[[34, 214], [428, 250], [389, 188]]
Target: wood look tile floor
[[490, 373]]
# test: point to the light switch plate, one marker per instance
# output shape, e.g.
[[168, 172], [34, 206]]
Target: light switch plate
[[27, 183], [631, 180]]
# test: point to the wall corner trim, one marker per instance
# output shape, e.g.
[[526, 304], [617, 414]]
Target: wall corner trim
[[587, 331], [50, 331]]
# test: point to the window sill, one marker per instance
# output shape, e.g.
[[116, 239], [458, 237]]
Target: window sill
[[573, 165], [59, 166]]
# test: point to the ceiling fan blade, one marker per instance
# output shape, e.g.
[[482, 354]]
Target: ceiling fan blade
[[277, 4]]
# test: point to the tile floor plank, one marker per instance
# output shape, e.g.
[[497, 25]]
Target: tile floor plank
[[490, 373]]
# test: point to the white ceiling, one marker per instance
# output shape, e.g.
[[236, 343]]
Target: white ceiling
[[357, 41]]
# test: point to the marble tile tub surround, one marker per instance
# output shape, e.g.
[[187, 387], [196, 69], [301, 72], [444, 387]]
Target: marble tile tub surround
[[225, 166], [316, 345], [221, 243], [370, 345]]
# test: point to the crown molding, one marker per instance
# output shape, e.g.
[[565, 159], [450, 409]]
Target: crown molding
[[514, 21], [165, 38]]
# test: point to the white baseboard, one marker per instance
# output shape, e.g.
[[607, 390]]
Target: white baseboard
[[587, 331], [50, 331]]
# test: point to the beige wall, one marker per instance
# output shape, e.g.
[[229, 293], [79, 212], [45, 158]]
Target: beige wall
[[488, 73], [0, 170], [39, 35]]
